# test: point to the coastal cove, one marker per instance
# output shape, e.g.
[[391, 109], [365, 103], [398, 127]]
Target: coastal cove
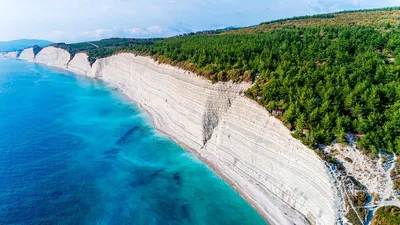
[[74, 150], [284, 180]]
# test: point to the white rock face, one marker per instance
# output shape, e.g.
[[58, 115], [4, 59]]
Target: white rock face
[[369, 172], [178, 102], [278, 169], [52, 56], [11, 55], [28, 55], [238, 138], [80, 64], [287, 182]]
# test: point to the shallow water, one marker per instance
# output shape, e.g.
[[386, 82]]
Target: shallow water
[[75, 151]]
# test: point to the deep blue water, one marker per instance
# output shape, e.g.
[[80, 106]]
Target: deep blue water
[[75, 151]]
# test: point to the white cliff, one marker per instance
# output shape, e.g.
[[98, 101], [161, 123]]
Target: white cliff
[[11, 55], [239, 139], [287, 182], [79, 64], [278, 170], [28, 55], [374, 174], [52, 56]]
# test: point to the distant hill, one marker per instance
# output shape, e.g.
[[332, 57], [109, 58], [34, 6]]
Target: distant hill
[[378, 18], [21, 44]]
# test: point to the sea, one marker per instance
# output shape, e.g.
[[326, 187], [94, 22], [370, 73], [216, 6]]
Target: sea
[[74, 150]]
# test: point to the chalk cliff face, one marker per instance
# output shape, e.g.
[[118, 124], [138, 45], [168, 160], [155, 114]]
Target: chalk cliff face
[[28, 55], [79, 64], [281, 171], [11, 55], [375, 174], [181, 104], [252, 150], [52, 56]]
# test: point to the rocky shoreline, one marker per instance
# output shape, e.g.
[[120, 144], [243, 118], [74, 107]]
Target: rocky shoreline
[[253, 151]]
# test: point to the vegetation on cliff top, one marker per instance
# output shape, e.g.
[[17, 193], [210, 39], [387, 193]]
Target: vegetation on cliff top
[[324, 76], [105, 47], [323, 82], [388, 215]]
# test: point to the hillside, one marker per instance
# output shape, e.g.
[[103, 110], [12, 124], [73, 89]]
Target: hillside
[[322, 81], [378, 18], [332, 78], [7, 46]]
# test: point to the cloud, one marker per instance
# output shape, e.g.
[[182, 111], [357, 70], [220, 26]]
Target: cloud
[[150, 31], [180, 28], [321, 6], [70, 37], [102, 33], [81, 20], [98, 33], [131, 12], [58, 35]]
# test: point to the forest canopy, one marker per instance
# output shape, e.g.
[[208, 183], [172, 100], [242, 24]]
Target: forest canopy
[[323, 82]]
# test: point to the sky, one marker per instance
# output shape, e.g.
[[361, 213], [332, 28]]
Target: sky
[[72, 21]]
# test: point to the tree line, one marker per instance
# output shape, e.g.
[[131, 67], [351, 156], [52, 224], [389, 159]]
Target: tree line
[[322, 82]]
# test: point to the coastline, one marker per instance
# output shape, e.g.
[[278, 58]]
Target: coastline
[[299, 192], [267, 217], [263, 213]]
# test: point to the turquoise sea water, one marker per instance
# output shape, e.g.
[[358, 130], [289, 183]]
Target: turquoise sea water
[[73, 150]]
